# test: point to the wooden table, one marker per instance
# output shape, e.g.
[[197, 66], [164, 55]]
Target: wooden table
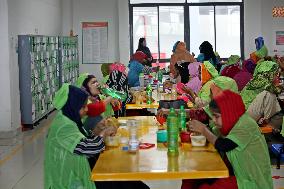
[[154, 164]]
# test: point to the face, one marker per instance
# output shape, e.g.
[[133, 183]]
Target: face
[[101, 124], [93, 86], [144, 43], [217, 119], [83, 111], [276, 79]]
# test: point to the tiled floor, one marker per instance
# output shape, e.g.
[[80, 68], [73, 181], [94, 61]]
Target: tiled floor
[[21, 164]]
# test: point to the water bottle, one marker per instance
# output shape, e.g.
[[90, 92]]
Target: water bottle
[[149, 93], [172, 131], [133, 136], [174, 92], [159, 75], [113, 93], [182, 118], [141, 79]]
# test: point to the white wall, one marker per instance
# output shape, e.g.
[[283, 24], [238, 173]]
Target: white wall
[[97, 11], [124, 37], [259, 22], [67, 16], [25, 17], [5, 100]]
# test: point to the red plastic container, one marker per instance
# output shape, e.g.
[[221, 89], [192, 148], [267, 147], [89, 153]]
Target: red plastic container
[[184, 136]]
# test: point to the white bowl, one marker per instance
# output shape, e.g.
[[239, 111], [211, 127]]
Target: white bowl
[[198, 140]]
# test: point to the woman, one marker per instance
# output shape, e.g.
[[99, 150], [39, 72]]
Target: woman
[[67, 148], [209, 76], [136, 67], [260, 95], [207, 54], [142, 46], [263, 77], [180, 55], [194, 77], [118, 81], [242, 143]]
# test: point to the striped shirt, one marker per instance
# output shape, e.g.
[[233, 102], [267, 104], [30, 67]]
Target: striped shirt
[[90, 147]]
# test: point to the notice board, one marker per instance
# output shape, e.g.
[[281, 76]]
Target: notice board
[[94, 42]]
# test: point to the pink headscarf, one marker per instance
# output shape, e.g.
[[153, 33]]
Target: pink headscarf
[[117, 66], [242, 78], [194, 81]]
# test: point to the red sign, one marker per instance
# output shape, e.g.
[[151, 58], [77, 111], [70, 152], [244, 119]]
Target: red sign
[[94, 24]]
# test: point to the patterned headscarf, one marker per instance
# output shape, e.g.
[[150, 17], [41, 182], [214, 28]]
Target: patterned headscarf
[[259, 42], [262, 80], [117, 66]]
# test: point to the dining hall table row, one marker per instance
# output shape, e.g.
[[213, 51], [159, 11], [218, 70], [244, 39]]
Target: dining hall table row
[[116, 164]]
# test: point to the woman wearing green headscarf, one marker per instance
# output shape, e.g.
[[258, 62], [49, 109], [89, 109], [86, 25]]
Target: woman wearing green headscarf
[[260, 94], [209, 76], [67, 148]]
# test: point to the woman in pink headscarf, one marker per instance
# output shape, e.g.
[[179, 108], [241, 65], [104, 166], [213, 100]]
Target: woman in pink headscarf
[[194, 77]]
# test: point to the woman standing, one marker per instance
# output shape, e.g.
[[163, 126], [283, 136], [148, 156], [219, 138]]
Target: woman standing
[[142, 46]]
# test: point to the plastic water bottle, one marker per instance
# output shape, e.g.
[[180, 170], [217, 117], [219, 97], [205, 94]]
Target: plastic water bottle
[[174, 92], [141, 79], [182, 118], [149, 93], [159, 74], [133, 136], [172, 131]]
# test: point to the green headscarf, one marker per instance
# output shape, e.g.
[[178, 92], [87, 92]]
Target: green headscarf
[[233, 59], [61, 96], [105, 69], [81, 79], [211, 69], [262, 80], [262, 52]]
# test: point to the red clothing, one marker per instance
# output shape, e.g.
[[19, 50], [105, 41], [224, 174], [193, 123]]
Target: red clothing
[[220, 183], [232, 108], [96, 108]]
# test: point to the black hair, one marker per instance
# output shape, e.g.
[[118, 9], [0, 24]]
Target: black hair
[[140, 43], [207, 49], [85, 83], [214, 106]]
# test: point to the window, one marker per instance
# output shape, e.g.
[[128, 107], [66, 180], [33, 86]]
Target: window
[[201, 26], [228, 30], [163, 23], [156, 1]]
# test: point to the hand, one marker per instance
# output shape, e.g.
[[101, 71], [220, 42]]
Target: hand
[[163, 112], [114, 102], [109, 131], [108, 100], [196, 126]]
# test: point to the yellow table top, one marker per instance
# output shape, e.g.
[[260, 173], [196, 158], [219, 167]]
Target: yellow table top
[[154, 164], [154, 105]]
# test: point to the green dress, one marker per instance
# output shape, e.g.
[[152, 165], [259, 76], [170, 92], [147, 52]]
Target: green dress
[[250, 160], [62, 168]]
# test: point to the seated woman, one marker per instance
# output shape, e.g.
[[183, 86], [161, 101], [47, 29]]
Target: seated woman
[[242, 143], [96, 106], [180, 55], [136, 66], [194, 82], [260, 95], [263, 77], [67, 147], [207, 54], [118, 81]]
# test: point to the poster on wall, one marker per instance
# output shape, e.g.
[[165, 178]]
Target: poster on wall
[[94, 42], [279, 37]]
